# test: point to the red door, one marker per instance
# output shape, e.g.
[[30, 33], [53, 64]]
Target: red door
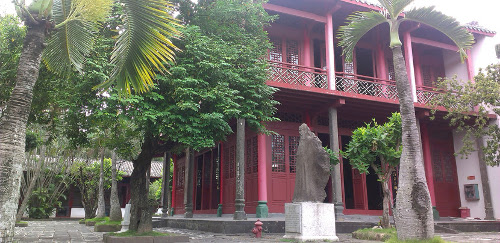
[[359, 188], [445, 174]]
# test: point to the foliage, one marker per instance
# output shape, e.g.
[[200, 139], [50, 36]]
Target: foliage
[[154, 193], [436, 239], [32, 141], [97, 219], [40, 206], [334, 157], [376, 141], [379, 234], [11, 42], [468, 107]]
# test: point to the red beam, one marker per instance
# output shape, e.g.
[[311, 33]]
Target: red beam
[[433, 43], [294, 12]]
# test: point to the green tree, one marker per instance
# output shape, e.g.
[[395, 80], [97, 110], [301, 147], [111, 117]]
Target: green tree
[[143, 46], [469, 106], [379, 147], [11, 42], [413, 213]]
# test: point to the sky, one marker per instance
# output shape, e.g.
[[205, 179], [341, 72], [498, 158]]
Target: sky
[[485, 12]]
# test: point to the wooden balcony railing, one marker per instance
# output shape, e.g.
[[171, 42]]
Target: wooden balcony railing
[[298, 75], [346, 82]]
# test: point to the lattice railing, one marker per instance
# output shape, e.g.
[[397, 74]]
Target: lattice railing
[[425, 94], [298, 75], [364, 85]]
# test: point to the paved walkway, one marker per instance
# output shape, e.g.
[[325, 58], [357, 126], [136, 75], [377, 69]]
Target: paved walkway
[[71, 231]]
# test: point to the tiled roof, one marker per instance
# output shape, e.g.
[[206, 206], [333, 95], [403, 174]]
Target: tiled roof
[[128, 167], [479, 28]]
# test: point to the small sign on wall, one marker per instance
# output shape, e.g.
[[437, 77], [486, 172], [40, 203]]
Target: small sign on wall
[[471, 192]]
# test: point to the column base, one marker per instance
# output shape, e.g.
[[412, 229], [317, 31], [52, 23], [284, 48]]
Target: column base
[[189, 212], [489, 213], [219, 211], [339, 209], [262, 211], [239, 212], [435, 213]]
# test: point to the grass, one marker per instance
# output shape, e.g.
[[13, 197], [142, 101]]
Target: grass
[[21, 222], [97, 219], [109, 222], [288, 240], [391, 236], [133, 233]]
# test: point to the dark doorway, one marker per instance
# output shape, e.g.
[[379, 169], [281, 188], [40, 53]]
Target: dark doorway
[[199, 171], [348, 187], [374, 190], [325, 142], [364, 62]]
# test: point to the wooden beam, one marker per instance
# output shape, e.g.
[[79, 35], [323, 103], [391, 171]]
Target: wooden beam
[[433, 43], [294, 12]]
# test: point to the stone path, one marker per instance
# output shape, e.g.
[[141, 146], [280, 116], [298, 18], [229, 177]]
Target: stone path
[[71, 231]]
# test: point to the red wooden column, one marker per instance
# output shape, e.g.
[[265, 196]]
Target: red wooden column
[[381, 66], [262, 210], [409, 63], [174, 176], [306, 51], [221, 181], [470, 66], [330, 65], [429, 176]]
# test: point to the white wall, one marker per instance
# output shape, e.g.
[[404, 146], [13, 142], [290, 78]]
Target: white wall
[[483, 52], [494, 178], [80, 212], [468, 167], [454, 66]]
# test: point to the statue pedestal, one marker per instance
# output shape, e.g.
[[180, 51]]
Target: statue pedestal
[[310, 221]]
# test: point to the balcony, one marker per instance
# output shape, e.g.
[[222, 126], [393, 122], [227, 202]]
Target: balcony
[[297, 75]]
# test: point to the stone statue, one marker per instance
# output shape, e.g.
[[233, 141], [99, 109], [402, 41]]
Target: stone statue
[[312, 168]]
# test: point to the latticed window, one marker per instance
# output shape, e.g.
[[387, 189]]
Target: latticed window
[[323, 121], [251, 156], [437, 167], [427, 76], [293, 145], [276, 53], [232, 162], [180, 177], [278, 153], [292, 51], [226, 163], [289, 117]]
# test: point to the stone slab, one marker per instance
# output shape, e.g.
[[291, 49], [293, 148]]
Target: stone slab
[[310, 221], [146, 239]]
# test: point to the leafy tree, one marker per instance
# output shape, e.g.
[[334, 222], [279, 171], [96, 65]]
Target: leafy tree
[[143, 46], [379, 147], [413, 214], [11, 43]]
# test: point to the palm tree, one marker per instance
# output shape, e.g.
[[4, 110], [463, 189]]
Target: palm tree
[[413, 215], [142, 47]]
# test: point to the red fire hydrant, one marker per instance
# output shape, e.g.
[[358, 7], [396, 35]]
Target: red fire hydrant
[[257, 230]]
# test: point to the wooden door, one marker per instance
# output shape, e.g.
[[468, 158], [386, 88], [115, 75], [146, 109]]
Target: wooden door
[[445, 175], [359, 189]]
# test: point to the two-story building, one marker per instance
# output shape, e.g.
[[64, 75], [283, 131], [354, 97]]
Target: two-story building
[[333, 97]]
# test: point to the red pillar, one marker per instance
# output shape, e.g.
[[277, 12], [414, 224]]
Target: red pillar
[[330, 65], [426, 148], [409, 63], [306, 51], [262, 208], [381, 66], [174, 181], [470, 66]]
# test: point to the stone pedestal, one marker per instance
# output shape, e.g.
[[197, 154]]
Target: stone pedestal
[[262, 211], [126, 218], [310, 221]]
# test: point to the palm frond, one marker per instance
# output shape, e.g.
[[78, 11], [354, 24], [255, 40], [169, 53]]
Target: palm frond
[[70, 43], [358, 24], [398, 6], [144, 46], [446, 24]]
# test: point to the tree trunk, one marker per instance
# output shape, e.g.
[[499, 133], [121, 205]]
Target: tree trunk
[[140, 211], [31, 186], [413, 212], [165, 187], [13, 128], [115, 213], [485, 181], [101, 204], [386, 203]]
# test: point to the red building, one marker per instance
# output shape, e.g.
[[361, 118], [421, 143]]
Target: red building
[[319, 88]]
